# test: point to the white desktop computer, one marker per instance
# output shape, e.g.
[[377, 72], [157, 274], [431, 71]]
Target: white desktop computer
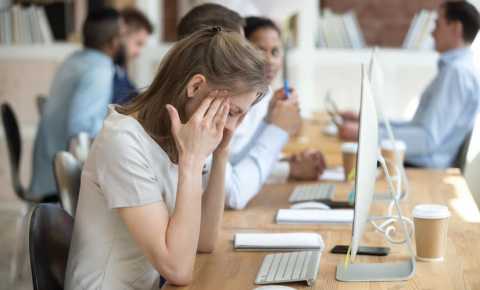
[[366, 169]]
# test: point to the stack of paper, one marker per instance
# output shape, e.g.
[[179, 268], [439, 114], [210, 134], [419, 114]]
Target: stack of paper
[[314, 216], [278, 241]]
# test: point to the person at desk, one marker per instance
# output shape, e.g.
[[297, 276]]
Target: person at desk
[[138, 29], [79, 95], [449, 105], [142, 211], [264, 131]]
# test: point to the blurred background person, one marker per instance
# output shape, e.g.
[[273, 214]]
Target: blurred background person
[[79, 95], [138, 30]]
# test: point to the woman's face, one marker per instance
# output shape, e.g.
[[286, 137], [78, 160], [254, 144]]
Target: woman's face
[[268, 41], [240, 103]]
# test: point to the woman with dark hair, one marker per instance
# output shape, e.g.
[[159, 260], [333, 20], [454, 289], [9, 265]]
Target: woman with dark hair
[[265, 130]]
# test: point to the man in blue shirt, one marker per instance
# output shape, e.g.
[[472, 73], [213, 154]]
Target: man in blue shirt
[[138, 29], [449, 105], [79, 95]]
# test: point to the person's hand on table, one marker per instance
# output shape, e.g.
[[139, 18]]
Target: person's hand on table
[[348, 131], [284, 112], [307, 165], [349, 116]]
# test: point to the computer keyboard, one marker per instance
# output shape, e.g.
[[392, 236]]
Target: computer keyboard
[[289, 267], [312, 192]]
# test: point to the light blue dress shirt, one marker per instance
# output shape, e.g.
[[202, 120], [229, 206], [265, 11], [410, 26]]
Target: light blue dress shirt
[[78, 102], [445, 114]]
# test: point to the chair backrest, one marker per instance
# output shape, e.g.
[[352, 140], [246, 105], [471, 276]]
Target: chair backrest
[[49, 235], [14, 144], [79, 146], [67, 171], [40, 101]]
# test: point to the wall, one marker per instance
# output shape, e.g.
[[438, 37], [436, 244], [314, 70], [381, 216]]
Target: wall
[[383, 22]]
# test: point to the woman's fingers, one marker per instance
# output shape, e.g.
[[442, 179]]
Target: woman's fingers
[[202, 109], [213, 110], [222, 115]]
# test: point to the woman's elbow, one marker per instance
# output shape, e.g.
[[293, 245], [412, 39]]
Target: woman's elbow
[[180, 279], [206, 248], [176, 273]]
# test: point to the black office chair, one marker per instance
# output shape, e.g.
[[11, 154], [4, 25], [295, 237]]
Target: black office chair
[[49, 234], [14, 145]]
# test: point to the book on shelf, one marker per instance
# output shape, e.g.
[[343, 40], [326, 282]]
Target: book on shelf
[[24, 25], [419, 33], [339, 31]]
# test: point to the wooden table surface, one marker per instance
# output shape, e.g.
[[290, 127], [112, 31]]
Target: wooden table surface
[[227, 269]]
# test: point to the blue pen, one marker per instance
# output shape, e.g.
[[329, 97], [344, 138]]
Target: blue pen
[[286, 88]]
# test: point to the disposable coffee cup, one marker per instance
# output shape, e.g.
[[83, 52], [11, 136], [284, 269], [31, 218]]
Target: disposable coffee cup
[[388, 149], [431, 227], [349, 157]]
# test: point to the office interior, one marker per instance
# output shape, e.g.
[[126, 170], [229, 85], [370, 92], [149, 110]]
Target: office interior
[[328, 52]]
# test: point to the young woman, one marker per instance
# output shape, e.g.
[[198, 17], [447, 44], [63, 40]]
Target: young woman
[[265, 35], [141, 211]]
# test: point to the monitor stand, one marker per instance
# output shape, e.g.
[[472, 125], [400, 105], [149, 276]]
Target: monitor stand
[[376, 272], [382, 272]]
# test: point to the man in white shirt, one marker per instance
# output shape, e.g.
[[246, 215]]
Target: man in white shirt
[[259, 140]]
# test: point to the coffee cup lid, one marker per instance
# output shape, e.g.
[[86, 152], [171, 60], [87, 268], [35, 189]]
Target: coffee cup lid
[[350, 147], [397, 144], [431, 211]]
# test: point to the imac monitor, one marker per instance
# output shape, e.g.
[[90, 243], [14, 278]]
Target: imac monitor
[[366, 171]]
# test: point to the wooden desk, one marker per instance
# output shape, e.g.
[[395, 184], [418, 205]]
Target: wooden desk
[[227, 269], [311, 136]]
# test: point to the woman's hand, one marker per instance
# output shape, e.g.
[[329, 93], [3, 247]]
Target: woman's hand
[[284, 112], [201, 135], [307, 165]]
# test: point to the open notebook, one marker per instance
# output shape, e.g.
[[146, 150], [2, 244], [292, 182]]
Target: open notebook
[[314, 216], [278, 241]]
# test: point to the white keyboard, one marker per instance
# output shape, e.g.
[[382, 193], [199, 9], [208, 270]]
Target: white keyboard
[[289, 267], [312, 192]]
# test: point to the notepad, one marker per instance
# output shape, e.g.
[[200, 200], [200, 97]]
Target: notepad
[[314, 216], [278, 241]]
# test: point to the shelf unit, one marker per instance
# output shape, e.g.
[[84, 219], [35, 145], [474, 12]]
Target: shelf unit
[[52, 52]]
